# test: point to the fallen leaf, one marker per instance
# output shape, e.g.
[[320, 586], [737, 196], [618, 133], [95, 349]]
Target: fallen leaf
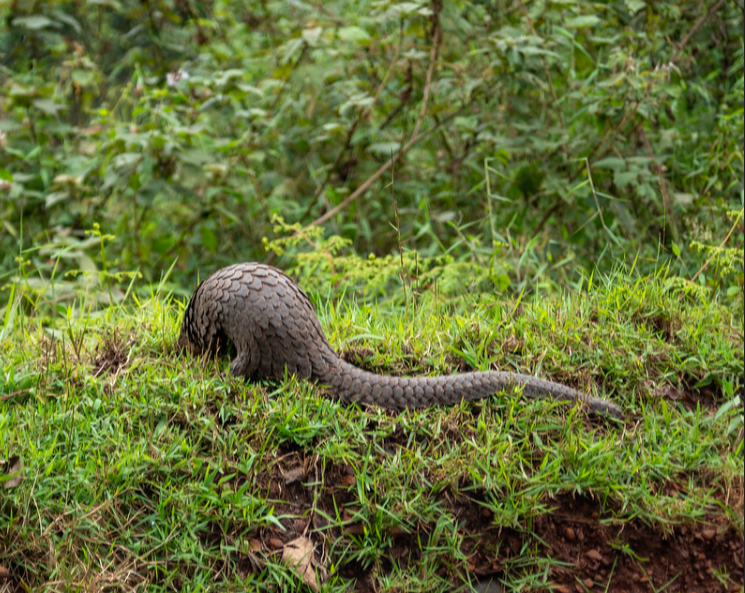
[[298, 556], [594, 555], [275, 543], [295, 474], [669, 392], [15, 472], [356, 529], [254, 545], [488, 586]]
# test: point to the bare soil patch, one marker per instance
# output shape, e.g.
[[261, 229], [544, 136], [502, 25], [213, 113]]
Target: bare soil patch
[[594, 552]]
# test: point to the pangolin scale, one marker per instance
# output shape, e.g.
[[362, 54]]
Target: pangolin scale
[[273, 327]]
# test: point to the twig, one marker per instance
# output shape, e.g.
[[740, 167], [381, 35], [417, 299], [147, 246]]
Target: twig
[[660, 174], [433, 54], [547, 74], [388, 71], [286, 81], [599, 149], [350, 133], [695, 28], [717, 250], [404, 275], [415, 137], [392, 115], [546, 215], [9, 395], [375, 176], [334, 165]]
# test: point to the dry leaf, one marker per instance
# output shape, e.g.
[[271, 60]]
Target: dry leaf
[[15, 472], [295, 474], [594, 555], [669, 392], [488, 586], [275, 543], [254, 545], [298, 556]]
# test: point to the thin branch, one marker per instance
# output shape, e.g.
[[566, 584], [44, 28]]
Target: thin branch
[[286, 81], [549, 79], [375, 176], [9, 395], [696, 27], [334, 165], [546, 215], [350, 133], [415, 137], [661, 175], [433, 54], [717, 250]]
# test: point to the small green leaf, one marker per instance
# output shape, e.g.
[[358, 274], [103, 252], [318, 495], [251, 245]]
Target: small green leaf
[[209, 239], [503, 282], [68, 20], [47, 106], [34, 23], [353, 34], [611, 162], [384, 149], [580, 22], [312, 36], [110, 3], [634, 6]]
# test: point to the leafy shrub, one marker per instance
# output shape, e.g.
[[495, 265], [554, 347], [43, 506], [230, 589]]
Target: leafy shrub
[[572, 132]]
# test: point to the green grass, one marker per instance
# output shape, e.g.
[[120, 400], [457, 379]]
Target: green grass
[[145, 467]]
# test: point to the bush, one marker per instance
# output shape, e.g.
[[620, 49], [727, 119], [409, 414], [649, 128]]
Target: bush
[[575, 133]]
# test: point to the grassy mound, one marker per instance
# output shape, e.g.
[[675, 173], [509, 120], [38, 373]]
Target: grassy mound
[[129, 465]]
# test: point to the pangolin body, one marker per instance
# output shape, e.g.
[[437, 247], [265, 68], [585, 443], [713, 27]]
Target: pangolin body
[[274, 329]]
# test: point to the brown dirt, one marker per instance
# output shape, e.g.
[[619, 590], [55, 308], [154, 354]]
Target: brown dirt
[[593, 552], [112, 354], [686, 557]]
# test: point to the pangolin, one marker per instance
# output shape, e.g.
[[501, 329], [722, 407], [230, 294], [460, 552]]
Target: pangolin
[[274, 329]]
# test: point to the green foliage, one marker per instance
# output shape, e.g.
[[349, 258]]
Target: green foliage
[[570, 132], [331, 258]]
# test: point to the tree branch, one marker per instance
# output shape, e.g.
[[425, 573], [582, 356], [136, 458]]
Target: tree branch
[[415, 136]]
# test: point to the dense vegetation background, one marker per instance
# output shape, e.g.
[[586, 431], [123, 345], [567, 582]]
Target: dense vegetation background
[[534, 141]]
